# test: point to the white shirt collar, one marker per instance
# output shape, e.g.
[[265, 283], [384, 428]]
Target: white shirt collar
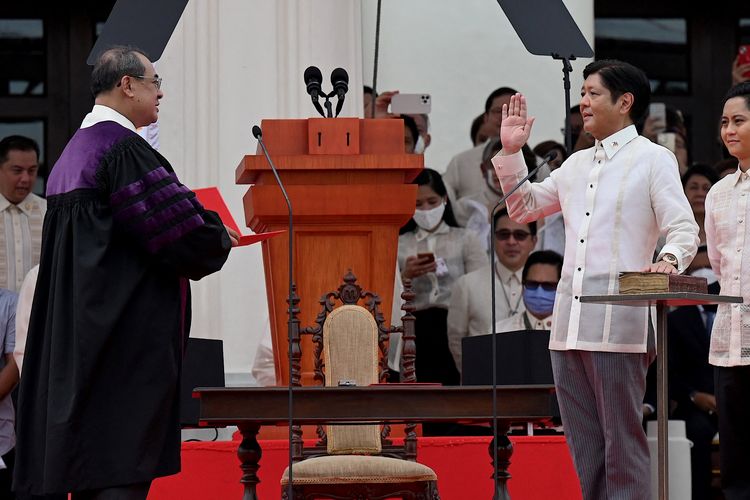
[[443, 228], [26, 206], [616, 141], [505, 274], [101, 113]]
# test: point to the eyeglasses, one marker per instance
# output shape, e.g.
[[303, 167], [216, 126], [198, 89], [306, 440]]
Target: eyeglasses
[[550, 286], [518, 235], [156, 80]]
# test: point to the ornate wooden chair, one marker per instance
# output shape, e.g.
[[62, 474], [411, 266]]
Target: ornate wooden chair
[[356, 461]]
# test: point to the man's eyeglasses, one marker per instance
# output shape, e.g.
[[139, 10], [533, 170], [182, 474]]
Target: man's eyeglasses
[[550, 286], [518, 235], [156, 80]]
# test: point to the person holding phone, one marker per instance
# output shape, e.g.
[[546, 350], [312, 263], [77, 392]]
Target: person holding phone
[[433, 252], [616, 199], [741, 65], [727, 241]]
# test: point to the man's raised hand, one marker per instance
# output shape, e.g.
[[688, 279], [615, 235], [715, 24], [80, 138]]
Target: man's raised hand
[[516, 126]]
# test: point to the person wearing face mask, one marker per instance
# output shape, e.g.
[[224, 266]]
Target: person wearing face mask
[[433, 252], [470, 312], [540, 276]]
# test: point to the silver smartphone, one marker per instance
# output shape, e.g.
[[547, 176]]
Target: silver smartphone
[[411, 104], [658, 111]]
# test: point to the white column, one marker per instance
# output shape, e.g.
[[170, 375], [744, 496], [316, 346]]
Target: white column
[[229, 64]]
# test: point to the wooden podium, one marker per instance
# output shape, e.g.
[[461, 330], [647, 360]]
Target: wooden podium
[[349, 184]]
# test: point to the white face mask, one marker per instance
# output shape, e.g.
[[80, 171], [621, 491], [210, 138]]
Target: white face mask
[[419, 147], [429, 219], [705, 272]]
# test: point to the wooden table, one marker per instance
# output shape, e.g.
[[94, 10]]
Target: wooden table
[[662, 302], [251, 407]]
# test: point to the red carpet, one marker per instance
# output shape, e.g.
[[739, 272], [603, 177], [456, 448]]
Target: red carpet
[[541, 467]]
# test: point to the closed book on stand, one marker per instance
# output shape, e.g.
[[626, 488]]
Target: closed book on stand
[[638, 283]]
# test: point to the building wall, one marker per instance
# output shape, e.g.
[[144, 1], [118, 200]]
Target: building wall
[[232, 63]]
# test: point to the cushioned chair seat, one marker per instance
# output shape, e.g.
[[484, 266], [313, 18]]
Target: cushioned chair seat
[[339, 469]]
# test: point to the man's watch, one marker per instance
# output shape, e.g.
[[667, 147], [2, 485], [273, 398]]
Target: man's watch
[[670, 259]]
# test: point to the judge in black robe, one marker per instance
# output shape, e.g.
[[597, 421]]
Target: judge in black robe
[[99, 401]]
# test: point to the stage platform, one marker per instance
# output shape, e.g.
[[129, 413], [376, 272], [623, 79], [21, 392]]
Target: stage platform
[[541, 467]]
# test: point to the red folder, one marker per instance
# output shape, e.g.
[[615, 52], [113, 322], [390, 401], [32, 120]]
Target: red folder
[[211, 199]]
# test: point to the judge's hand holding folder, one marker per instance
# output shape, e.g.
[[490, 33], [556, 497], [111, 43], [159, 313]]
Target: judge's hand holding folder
[[211, 199]]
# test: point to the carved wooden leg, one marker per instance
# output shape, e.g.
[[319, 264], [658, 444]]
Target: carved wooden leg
[[249, 453], [504, 452]]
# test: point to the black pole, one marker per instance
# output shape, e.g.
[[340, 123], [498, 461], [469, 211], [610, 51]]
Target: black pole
[[567, 68]]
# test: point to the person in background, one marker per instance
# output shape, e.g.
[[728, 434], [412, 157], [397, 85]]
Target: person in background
[[691, 380], [434, 252], [21, 211], [696, 182], [545, 147], [423, 127], [540, 277], [470, 311], [463, 175], [411, 134], [8, 381], [740, 72], [368, 98], [728, 242], [481, 130]]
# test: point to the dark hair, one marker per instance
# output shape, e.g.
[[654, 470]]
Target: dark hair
[[429, 177], [476, 124], [742, 89], [700, 169], [493, 146], [620, 77], [495, 94], [412, 126], [17, 143], [543, 257], [503, 212], [725, 164], [368, 90], [113, 64], [545, 147]]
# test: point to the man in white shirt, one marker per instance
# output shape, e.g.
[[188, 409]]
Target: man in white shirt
[[727, 239], [21, 211], [540, 277], [470, 309], [463, 175], [616, 199]]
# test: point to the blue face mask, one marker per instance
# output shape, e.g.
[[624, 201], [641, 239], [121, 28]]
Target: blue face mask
[[539, 301]]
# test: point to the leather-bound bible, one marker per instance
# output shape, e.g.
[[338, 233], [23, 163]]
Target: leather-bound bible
[[636, 282]]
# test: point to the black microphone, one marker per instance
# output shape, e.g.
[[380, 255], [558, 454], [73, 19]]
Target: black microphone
[[313, 81], [258, 134], [340, 82], [548, 158]]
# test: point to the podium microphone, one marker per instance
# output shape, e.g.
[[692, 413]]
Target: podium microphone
[[258, 134], [548, 158], [313, 81], [340, 82]]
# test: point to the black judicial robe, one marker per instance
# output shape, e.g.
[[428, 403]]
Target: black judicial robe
[[99, 395]]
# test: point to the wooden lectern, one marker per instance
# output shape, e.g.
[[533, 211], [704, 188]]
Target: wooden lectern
[[349, 183]]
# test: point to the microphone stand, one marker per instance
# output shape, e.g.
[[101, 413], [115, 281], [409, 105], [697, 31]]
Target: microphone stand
[[567, 68], [259, 135], [551, 155]]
